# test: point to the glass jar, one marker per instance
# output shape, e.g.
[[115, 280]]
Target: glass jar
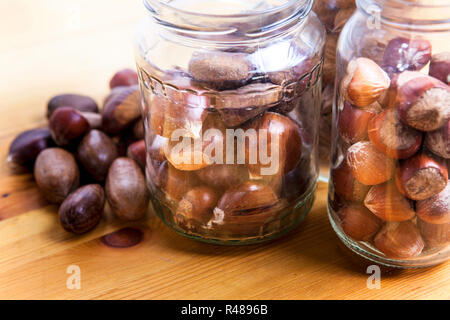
[[389, 198], [231, 96]]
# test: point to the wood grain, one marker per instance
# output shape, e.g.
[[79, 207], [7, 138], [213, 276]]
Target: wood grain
[[58, 46]]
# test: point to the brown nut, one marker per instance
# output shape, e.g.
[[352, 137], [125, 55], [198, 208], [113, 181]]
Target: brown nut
[[225, 70], [76, 101], [297, 76], [156, 149], [421, 176], [139, 130], [353, 123], [126, 190], [56, 174], [82, 210], [438, 141], [121, 109], [403, 54], [389, 100], [388, 204], [223, 176], [364, 83], [424, 103], [179, 118], [26, 147], [399, 240], [175, 183], [124, 78], [96, 153], [440, 67], [68, 125], [197, 205], [435, 235], [389, 135], [369, 166], [358, 222], [137, 152], [436, 209], [345, 184]]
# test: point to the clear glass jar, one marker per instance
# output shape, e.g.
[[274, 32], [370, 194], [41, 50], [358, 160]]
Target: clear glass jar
[[231, 95], [389, 198]]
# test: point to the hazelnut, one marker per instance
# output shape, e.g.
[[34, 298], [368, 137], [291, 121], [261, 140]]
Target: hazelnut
[[76, 101], [388, 204], [440, 67], [435, 210], [26, 147], [353, 123], [403, 54], [365, 82], [358, 222], [223, 176], [197, 205], [137, 152], [82, 210], [124, 78], [438, 141], [421, 176], [126, 190], [369, 166], [435, 235], [399, 240], [96, 153], [390, 136], [345, 184], [68, 125], [56, 174], [121, 109]]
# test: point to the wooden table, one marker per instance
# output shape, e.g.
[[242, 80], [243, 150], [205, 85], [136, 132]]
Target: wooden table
[[53, 46]]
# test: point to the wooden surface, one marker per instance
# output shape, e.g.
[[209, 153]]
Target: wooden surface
[[55, 46]]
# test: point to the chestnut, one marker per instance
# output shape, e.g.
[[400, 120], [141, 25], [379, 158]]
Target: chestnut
[[156, 149], [175, 183], [345, 184], [96, 153], [67, 125], [76, 101], [435, 210], [389, 135], [421, 176], [399, 240], [353, 123], [387, 203], [300, 74], [369, 166], [56, 174], [137, 152], [82, 210], [223, 176], [197, 205], [359, 223], [139, 130], [126, 190], [438, 141], [440, 67], [26, 147], [121, 109], [124, 78], [435, 235]]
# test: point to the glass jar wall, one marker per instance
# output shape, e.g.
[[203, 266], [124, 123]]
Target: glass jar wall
[[389, 197], [231, 100]]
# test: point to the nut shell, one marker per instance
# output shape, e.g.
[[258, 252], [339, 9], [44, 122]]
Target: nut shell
[[353, 123], [438, 141], [359, 223], [435, 210], [435, 235], [197, 205], [346, 186], [67, 125], [440, 67]]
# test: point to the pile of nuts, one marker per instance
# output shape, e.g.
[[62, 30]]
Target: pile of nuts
[[79, 161], [390, 180]]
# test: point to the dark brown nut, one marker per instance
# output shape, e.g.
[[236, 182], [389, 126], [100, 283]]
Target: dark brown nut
[[388, 204], [403, 54], [389, 100], [197, 205], [399, 240], [221, 71], [245, 103], [139, 130], [436, 209], [345, 184], [56, 174], [175, 183], [440, 67], [353, 123], [137, 152], [26, 147], [438, 141], [126, 190], [76, 101], [421, 176], [424, 103], [392, 137], [121, 110], [365, 82], [435, 235], [82, 210], [369, 166], [299, 74], [359, 223], [297, 182], [124, 78], [96, 153], [67, 125], [223, 176]]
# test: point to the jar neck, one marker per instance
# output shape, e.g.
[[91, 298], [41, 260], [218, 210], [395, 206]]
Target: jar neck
[[229, 28], [418, 15]]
